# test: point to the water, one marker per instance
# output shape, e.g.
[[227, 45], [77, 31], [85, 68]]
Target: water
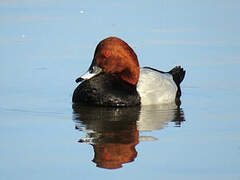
[[45, 46]]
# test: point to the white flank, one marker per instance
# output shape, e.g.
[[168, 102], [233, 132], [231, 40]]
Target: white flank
[[155, 87]]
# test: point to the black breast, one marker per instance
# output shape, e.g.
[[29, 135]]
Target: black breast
[[106, 90]]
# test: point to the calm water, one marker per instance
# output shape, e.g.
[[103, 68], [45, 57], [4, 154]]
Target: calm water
[[46, 45]]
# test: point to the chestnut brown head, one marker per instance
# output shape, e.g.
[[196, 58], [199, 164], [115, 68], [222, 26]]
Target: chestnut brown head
[[115, 57]]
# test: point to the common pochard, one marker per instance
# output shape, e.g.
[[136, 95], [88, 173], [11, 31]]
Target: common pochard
[[114, 78]]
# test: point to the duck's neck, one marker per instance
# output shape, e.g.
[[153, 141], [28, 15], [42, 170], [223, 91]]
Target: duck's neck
[[130, 76]]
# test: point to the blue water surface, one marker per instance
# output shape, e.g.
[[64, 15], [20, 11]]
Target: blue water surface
[[46, 45]]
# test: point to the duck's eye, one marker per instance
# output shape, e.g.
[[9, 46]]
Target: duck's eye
[[106, 53]]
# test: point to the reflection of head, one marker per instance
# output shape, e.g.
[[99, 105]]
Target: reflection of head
[[117, 148], [112, 132]]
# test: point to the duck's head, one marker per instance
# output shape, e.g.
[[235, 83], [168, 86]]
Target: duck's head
[[114, 56]]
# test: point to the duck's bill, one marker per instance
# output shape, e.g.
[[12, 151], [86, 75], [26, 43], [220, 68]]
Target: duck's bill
[[93, 71]]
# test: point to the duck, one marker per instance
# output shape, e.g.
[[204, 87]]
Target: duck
[[115, 79]]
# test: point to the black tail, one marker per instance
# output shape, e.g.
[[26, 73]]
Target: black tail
[[178, 74]]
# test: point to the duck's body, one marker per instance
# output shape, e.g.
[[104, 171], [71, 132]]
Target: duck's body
[[115, 79]]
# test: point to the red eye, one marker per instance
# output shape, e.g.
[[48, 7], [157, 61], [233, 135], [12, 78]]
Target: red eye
[[106, 53]]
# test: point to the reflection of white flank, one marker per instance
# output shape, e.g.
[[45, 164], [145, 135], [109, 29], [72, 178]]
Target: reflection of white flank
[[155, 117], [147, 138]]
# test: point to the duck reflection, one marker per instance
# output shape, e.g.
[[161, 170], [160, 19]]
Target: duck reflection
[[114, 132]]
